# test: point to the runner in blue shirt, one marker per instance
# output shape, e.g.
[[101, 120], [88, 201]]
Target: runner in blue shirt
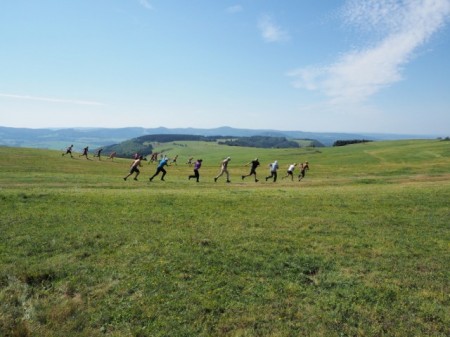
[[160, 168]]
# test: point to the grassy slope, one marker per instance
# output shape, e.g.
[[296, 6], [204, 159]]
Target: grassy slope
[[360, 247]]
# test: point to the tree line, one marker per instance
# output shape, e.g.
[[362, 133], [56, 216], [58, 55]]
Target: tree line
[[351, 141], [261, 142]]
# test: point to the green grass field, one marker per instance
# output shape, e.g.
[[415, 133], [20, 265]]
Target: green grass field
[[360, 247]]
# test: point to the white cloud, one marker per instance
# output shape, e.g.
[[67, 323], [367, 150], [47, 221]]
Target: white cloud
[[50, 100], [270, 31], [356, 75], [382, 15], [235, 9], [146, 4]]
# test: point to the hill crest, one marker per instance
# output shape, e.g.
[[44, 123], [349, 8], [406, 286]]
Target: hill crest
[[54, 138]]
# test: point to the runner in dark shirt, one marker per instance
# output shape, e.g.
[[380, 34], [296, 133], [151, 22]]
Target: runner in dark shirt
[[69, 151], [254, 164]]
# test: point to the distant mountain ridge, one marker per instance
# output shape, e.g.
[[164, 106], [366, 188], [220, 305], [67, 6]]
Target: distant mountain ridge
[[57, 139]]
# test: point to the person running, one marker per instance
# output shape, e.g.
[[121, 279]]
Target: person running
[[112, 155], [224, 169], [254, 164], [197, 166], [290, 171], [174, 160], [304, 167], [154, 157], [85, 152], [160, 168], [68, 151], [273, 171], [99, 152], [189, 162], [134, 168]]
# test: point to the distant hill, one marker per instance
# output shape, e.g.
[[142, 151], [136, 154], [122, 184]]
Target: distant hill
[[144, 144], [262, 142], [59, 139]]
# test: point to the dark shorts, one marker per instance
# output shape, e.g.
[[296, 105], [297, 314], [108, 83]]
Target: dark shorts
[[160, 169], [134, 169]]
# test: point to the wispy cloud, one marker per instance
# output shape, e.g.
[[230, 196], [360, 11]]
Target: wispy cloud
[[146, 4], [235, 9], [270, 31], [400, 26], [50, 100]]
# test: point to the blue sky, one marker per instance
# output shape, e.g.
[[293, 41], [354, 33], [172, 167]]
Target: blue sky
[[319, 66]]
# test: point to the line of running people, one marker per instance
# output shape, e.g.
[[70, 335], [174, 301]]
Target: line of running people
[[85, 153], [134, 168]]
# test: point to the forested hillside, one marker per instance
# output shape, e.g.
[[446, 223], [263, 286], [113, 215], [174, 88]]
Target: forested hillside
[[144, 144]]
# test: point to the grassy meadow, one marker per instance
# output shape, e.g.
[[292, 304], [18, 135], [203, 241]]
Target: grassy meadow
[[360, 247]]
